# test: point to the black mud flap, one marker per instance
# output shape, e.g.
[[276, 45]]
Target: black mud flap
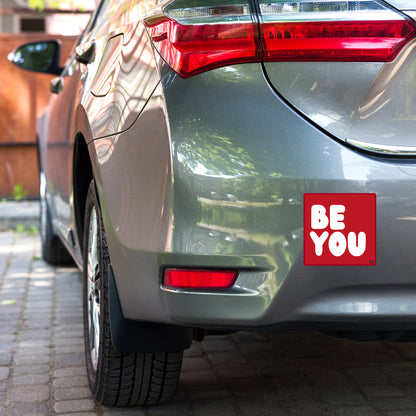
[[130, 336]]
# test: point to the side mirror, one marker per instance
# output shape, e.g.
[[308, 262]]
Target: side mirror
[[42, 56]]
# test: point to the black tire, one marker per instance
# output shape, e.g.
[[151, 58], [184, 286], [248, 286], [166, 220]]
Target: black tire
[[116, 379], [53, 250]]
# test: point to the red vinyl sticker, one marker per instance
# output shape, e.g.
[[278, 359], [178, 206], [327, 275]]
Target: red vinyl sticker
[[339, 229]]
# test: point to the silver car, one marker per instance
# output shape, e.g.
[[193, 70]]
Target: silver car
[[216, 165]]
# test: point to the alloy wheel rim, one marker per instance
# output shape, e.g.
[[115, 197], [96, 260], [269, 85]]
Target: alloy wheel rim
[[93, 289]]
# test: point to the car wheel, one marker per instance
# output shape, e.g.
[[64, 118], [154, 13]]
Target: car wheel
[[116, 379], [53, 250]]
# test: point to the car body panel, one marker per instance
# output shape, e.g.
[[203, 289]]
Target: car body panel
[[116, 98], [243, 208]]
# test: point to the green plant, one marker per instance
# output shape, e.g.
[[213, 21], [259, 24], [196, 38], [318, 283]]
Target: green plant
[[19, 193], [24, 229], [8, 302]]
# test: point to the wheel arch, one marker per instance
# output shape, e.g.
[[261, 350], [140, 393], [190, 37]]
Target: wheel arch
[[82, 176]]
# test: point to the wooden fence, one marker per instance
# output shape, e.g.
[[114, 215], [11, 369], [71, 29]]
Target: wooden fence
[[23, 97]]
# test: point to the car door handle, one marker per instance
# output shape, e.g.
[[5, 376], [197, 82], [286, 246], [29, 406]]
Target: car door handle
[[57, 84], [85, 52]]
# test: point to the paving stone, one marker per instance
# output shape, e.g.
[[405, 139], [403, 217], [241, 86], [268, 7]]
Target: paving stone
[[72, 393], [258, 408], [70, 372], [342, 396], [10, 321], [39, 304], [69, 334], [410, 390], [36, 351], [6, 309], [264, 360], [306, 407], [393, 403], [70, 349], [4, 373], [80, 414], [81, 405], [37, 323], [355, 411], [401, 375], [177, 407], [69, 360], [31, 379], [122, 412], [70, 330], [410, 353], [195, 364], [235, 371], [221, 407], [194, 350], [29, 334], [38, 393], [244, 337], [32, 359], [34, 343], [69, 341], [218, 344], [249, 389], [31, 369], [78, 381], [30, 409], [226, 357], [367, 376], [207, 393], [198, 378], [69, 319], [325, 376], [293, 392], [259, 348], [383, 390]]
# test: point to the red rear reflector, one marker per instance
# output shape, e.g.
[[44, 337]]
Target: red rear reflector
[[336, 41], [198, 279]]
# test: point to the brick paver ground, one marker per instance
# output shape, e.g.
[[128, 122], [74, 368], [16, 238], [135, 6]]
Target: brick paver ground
[[42, 370]]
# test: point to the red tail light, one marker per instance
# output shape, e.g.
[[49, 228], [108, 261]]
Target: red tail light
[[198, 279], [335, 41], [193, 48], [196, 39]]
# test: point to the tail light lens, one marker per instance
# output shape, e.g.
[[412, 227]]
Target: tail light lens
[[332, 31], [198, 279], [193, 36], [193, 40]]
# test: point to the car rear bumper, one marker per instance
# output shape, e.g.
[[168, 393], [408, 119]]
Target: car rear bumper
[[212, 174]]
